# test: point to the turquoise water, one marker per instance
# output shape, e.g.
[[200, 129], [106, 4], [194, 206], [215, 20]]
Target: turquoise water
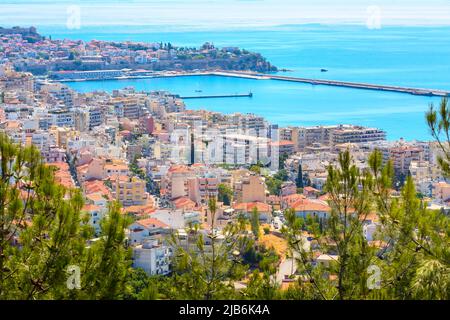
[[408, 56]]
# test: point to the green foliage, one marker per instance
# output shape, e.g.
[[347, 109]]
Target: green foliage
[[418, 240], [282, 159], [349, 191], [206, 265], [107, 262], [261, 287], [273, 185], [35, 214], [254, 222], [269, 261], [198, 57], [281, 175], [225, 194], [42, 233], [412, 253], [150, 184], [439, 124], [137, 282], [274, 182], [256, 168]]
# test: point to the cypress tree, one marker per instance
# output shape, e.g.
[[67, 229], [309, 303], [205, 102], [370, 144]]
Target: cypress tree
[[254, 221], [299, 181]]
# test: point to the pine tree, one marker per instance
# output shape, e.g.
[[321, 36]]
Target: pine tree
[[43, 235], [107, 262], [261, 286], [341, 235], [206, 267], [416, 258], [439, 125]]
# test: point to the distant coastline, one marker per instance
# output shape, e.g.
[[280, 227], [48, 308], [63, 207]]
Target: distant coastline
[[41, 55]]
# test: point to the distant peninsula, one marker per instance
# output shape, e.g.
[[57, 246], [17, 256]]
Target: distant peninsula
[[28, 51]]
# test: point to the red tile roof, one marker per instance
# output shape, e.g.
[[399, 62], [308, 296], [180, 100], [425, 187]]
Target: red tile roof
[[183, 203], [152, 223], [91, 207], [248, 207], [97, 186], [62, 174], [310, 205]]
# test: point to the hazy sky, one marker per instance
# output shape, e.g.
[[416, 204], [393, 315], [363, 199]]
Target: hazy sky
[[225, 12]]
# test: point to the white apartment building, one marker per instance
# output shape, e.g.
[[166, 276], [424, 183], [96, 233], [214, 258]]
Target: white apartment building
[[154, 258], [61, 117]]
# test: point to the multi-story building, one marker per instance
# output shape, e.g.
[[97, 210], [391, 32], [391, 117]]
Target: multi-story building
[[96, 214], [356, 134], [154, 258], [309, 135], [245, 149], [250, 124], [250, 189], [62, 135], [147, 124], [11, 80], [333, 135], [402, 156], [81, 120], [399, 152], [130, 191], [290, 134], [200, 190], [143, 230], [60, 92], [176, 180], [441, 191], [55, 154], [115, 168], [285, 147], [126, 107], [61, 117], [95, 117], [424, 174]]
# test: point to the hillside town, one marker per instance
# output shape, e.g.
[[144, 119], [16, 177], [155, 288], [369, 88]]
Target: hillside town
[[163, 162], [31, 52]]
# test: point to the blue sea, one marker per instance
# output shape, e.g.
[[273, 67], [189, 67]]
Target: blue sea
[[405, 56]]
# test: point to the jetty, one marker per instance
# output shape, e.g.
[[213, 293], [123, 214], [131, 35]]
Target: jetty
[[244, 95], [345, 84]]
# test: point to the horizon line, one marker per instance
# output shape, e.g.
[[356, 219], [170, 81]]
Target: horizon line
[[206, 27]]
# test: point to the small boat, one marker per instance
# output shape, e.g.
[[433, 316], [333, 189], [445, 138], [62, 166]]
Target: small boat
[[198, 90], [323, 70]]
